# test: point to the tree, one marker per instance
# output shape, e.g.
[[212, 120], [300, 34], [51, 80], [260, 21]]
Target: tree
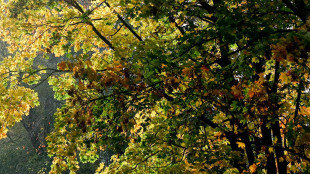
[[169, 86]]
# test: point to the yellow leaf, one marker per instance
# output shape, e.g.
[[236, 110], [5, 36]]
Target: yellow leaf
[[241, 145], [284, 78], [255, 60], [281, 159], [209, 15], [253, 168], [172, 24], [270, 149]]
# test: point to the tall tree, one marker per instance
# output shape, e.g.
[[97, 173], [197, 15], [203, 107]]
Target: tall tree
[[170, 86]]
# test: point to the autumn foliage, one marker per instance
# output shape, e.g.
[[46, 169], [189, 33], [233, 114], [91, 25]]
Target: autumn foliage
[[185, 86]]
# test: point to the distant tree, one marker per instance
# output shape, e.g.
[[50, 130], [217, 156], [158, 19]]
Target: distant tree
[[185, 86]]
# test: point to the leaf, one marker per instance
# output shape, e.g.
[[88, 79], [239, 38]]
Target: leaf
[[241, 145], [162, 84], [253, 168], [270, 149], [62, 65], [251, 93], [236, 92], [284, 78]]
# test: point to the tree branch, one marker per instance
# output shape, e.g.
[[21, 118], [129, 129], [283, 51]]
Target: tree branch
[[80, 9], [298, 12], [125, 23]]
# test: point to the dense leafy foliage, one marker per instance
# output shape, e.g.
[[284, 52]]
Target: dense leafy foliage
[[185, 86]]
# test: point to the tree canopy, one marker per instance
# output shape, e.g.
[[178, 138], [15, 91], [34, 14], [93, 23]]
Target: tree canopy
[[184, 86]]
